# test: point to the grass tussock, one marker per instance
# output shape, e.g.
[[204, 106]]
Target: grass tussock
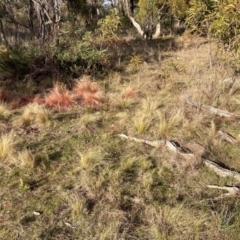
[[91, 158], [59, 98], [25, 159], [90, 121], [34, 115], [4, 111], [88, 93], [142, 123], [7, 143]]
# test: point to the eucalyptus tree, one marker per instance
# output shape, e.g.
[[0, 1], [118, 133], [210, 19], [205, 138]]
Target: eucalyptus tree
[[149, 15]]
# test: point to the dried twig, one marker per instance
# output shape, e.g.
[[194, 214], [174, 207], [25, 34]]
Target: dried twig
[[214, 110]]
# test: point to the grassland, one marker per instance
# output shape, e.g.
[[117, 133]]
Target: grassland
[[66, 174]]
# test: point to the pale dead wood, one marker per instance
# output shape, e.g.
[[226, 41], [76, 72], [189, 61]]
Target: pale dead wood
[[220, 171], [226, 136], [157, 143], [231, 191], [177, 148], [229, 80], [172, 145], [214, 110]]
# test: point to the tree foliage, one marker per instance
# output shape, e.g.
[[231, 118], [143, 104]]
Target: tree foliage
[[220, 18]]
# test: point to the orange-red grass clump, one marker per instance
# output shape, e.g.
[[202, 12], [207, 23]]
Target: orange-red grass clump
[[88, 93], [59, 98]]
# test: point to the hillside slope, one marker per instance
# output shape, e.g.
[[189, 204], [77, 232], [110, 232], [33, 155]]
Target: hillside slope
[[68, 175]]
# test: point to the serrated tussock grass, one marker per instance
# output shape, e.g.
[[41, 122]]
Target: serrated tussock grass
[[4, 111], [7, 142], [25, 159], [91, 158], [33, 114]]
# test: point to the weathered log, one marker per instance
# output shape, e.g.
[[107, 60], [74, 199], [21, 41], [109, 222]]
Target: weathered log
[[172, 145], [220, 171], [157, 143], [231, 191], [177, 148], [214, 110]]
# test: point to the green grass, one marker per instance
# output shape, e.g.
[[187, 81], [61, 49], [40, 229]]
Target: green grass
[[67, 174]]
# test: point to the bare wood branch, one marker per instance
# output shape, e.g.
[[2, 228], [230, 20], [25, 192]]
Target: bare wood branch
[[172, 145], [214, 110], [226, 136], [157, 143], [177, 148], [220, 171], [231, 191]]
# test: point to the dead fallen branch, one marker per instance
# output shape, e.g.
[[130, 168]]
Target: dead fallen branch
[[177, 148], [231, 191], [157, 143], [214, 110], [172, 145], [220, 171], [227, 137]]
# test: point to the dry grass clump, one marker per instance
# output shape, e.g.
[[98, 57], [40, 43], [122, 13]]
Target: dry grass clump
[[90, 121], [88, 93], [4, 111], [33, 114], [91, 158], [150, 105], [7, 143], [142, 122], [25, 158], [169, 124], [59, 98]]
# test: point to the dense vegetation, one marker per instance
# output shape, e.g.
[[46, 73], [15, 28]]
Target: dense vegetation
[[75, 75]]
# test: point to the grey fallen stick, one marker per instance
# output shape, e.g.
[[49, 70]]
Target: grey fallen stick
[[170, 144], [231, 191], [214, 110], [156, 143], [220, 171]]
